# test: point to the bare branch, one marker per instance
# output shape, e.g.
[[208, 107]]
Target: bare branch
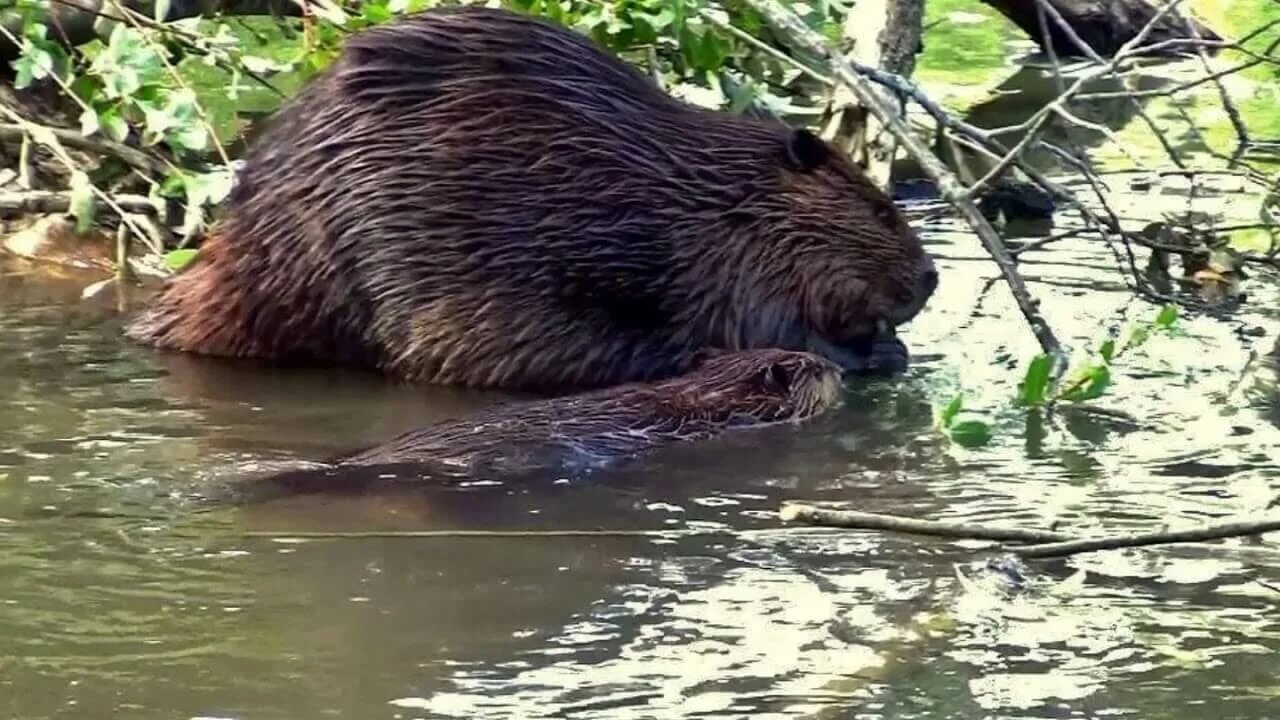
[[1049, 544], [47, 202], [854, 520], [1218, 531], [139, 159]]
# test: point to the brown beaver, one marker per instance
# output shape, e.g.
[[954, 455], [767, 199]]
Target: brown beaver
[[727, 391], [476, 197]]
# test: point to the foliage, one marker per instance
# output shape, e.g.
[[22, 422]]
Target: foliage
[[1041, 387], [180, 85]]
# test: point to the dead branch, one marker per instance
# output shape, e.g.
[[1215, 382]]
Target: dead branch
[[1060, 546], [1217, 531], [139, 159], [48, 202], [854, 520]]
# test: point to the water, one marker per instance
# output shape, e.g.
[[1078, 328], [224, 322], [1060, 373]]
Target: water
[[122, 594]]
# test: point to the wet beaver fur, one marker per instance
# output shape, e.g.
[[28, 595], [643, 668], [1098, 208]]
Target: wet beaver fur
[[475, 197], [728, 391]]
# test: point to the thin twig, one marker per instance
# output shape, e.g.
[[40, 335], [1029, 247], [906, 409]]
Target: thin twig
[[1218, 531], [456, 534], [1048, 543], [854, 520], [139, 159], [47, 202]]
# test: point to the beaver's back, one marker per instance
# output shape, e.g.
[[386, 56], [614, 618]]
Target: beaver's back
[[476, 197]]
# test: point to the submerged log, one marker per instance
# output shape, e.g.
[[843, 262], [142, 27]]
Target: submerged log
[[1105, 25]]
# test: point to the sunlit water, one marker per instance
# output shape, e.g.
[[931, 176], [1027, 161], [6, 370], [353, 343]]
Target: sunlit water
[[123, 595]]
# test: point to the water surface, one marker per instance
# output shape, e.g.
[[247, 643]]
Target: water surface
[[122, 594]]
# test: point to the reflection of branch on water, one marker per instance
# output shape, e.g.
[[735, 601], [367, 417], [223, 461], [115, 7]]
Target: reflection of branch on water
[[1048, 544]]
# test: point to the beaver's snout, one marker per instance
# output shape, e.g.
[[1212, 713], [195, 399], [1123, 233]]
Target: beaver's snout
[[911, 299]]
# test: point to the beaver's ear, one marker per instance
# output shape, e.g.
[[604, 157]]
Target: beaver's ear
[[806, 151], [778, 376]]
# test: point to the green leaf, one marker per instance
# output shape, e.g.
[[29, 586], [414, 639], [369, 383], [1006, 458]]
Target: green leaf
[[81, 201], [1090, 385], [1035, 383], [970, 433], [113, 124], [176, 260], [203, 189], [211, 187], [376, 13], [35, 63], [329, 12], [191, 137], [948, 413], [1138, 336], [1107, 351], [1168, 315], [662, 18], [24, 72]]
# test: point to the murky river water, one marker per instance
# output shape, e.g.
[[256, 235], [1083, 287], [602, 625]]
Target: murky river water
[[122, 595]]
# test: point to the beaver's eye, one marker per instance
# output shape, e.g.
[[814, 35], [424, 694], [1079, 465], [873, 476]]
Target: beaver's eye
[[805, 151], [778, 377]]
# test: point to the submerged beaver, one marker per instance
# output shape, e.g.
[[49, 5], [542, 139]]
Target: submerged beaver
[[727, 391], [476, 197]]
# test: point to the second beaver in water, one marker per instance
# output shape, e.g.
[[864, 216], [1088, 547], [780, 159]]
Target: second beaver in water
[[476, 197], [728, 391]]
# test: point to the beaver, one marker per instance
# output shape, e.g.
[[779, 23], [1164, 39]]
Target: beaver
[[472, 196], [727, 391]]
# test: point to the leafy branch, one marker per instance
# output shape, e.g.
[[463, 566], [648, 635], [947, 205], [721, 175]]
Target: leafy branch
[[1042, 388]]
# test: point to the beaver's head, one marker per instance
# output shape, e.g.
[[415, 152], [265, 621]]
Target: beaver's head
[[819, 259], [752, 387]]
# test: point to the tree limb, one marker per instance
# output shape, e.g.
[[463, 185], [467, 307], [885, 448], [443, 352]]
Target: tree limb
[[139, 159], [854, 520], [47, 202], [1049, 544], [1217, 531]]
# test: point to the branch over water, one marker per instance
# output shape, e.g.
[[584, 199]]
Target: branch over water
[[1047, 543]]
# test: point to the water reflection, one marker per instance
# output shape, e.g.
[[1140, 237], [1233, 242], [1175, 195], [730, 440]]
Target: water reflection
[[123, 593]]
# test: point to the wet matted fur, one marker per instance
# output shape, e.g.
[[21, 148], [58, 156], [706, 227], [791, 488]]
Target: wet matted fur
[[726, 392], [476, 197]]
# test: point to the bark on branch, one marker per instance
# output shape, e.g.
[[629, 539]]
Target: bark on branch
[[854, 520], [1048, 544], [140, 159], [48, 202]]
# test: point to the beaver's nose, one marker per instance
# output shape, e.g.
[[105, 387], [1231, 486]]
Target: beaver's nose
[[928, 278]]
